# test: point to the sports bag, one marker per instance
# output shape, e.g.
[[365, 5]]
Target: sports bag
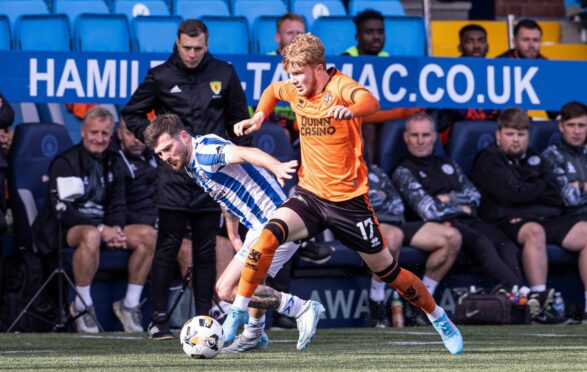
[[490, 309]]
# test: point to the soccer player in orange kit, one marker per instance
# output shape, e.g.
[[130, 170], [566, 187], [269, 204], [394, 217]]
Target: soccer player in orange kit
[[332, 189]]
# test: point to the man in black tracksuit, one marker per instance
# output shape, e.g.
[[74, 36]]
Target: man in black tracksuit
[[435, 189], [207, 95], [522, 196]]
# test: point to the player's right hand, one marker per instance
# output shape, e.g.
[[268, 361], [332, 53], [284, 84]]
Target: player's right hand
[[284, 171], [249, 126]]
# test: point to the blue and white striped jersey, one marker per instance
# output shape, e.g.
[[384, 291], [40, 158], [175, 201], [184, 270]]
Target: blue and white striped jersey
[[251, 193]]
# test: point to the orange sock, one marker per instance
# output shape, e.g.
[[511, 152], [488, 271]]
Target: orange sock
[[409, 286], [257, 264], [412, 289]]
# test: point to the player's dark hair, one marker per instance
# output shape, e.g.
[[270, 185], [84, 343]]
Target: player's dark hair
[[471, 27], [166, 123], [192, 28], [365, 16], [513, 118], [529, 24], [572, 110]]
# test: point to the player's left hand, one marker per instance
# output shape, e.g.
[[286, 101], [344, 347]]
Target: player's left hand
[[340, 113], [284, 171]]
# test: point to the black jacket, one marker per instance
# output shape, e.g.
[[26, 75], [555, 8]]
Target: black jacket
[[77, 162], [140, 184], [420, 180], [515, 188], [209, 100], [6, 119], [569, 164]]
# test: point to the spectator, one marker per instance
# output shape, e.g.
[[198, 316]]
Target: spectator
[[208, 97], [435, 189], [527, 42], [441, 241], [140, 179], [522, 196], [96, 219], [370, 36], [568, 158], [6, 134], [288, 27], [472, 43]]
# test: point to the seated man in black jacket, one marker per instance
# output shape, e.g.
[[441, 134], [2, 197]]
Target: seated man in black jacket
[[435, 189], [521, 195], [96, 219], [140, 182]]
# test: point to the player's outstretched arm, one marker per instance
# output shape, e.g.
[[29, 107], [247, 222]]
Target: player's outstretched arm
[[251, 125], [267, 103], [364, 104], [238, 154]]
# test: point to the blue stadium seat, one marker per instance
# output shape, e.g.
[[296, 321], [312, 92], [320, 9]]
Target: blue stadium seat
[[220, 27], [264, 35], [155, 34], [200, 8], [136, 8], [73, 8], [392, 148], [385, 7], [25, 112], [337, 33], [48, 32], [102, 33], [272, 139], [252, 9], [544, 134], [15, 8], [312, 9], [5, 35], [467, 139], [33, 148], [405, 36]]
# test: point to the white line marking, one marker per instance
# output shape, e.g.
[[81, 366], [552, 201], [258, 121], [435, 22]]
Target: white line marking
[[114, 337]]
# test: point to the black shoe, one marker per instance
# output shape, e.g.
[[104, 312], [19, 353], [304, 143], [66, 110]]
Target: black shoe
[[537, 301], [314, 252], [158, 328], [281, 321], [547, 314], [377, 314]]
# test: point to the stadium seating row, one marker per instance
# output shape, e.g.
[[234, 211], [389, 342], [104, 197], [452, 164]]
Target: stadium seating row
[[111, 33], [250, 9]]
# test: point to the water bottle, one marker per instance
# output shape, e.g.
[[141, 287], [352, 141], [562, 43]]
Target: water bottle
[[513, 296], [559, 304], [397, 311]]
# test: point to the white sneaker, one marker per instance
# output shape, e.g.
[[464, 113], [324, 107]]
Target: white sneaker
[[84, 323], [308, 321], [130, 317]]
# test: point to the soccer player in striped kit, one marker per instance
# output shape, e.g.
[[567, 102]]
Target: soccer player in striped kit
[[238, 179]]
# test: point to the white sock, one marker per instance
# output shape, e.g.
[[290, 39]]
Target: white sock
[[377, 292], [586, 301], [436, 313], [241, 302], [430, 284], [290, 305], [84, 292], [133, 295], [254, 328], [538, 288]]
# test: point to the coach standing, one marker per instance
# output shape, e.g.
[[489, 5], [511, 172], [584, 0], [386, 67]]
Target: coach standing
[[207, 95]]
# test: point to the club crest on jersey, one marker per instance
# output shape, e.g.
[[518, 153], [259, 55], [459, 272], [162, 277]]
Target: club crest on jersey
[[328, 98], [216, 87], [534, 160], [300, 102], [448, 169]]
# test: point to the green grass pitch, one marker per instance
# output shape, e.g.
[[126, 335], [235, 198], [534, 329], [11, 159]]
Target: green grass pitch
[[505, 348]]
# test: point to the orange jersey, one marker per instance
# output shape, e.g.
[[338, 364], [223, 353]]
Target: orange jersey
[[332, 167]]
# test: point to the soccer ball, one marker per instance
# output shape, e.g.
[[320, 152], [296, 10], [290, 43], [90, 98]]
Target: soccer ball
[[202, 337]]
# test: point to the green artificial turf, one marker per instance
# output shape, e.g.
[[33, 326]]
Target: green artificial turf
[[505, 348]]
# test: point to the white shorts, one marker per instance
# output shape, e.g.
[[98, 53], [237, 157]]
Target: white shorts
[[282, 255]]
